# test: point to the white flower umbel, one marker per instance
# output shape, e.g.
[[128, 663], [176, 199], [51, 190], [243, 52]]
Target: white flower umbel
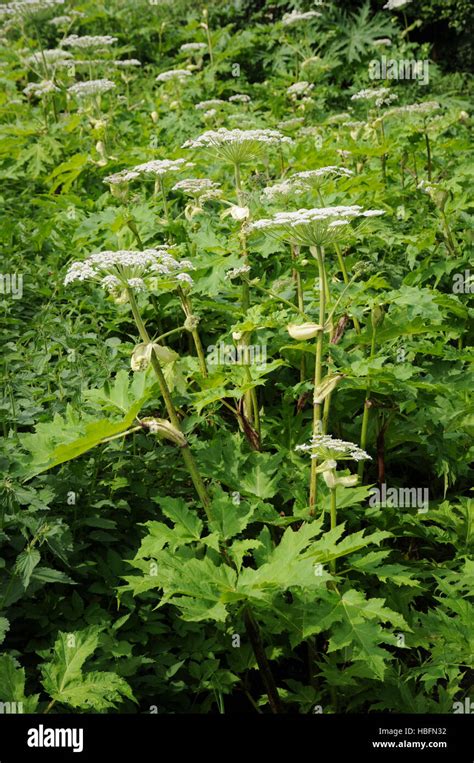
[[90, 88], [285, 188], [240, 98], [38, 89], [212, 103], [306, 180], [120, 178], [195, 187], [89, 42], [28, 7], [295, 17], [315, 178], [236, 272], [160, 167], [423, 108], [238, 146], [193, 47], [312, 227], [127, 62], [299, 89], [291, 124], [392, 5], [382, 96], [51, 57], [122, 269], [327, 447], [67, 19], [173, 74]]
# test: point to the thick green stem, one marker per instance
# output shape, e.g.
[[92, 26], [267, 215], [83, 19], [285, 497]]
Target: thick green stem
[[317, 423], [365, 417], [333, 511], [173, 416]]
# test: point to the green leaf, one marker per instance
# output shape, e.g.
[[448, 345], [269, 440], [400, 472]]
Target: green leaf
[[12, 686], [4, 628], [261, 475], [187, 522], [356, 623], [64, 681], [96, 691], [25, 564], [62, 440], [229, 517]]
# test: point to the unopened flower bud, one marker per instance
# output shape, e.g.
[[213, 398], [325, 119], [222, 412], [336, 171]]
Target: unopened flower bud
[[191, 322], [377, 316], [302, 331]]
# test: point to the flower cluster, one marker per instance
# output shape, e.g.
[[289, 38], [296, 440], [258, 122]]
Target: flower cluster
[[156, 167], [123, 269], [299, 89], [88, 42], [173, 74], [328, 447], [91, 87], [382, 96], [193, 47], [295, 16], [301, 181], [39, 89], [210, 104], [28, 6], [308, 177], [67, 19], [237, 146], [425, 107], [197, 187], [240, 98], [51, 56], [392, 5], [312, 227], [125, 62], [285, 188], [291, 124], [236, 272]]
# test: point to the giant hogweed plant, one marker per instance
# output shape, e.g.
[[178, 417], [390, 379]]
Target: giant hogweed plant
[[254, 535]]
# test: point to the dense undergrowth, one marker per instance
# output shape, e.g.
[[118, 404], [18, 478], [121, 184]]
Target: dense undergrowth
[[165, 544]]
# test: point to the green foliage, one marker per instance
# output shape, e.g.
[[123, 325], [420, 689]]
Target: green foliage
[[121, 589]]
